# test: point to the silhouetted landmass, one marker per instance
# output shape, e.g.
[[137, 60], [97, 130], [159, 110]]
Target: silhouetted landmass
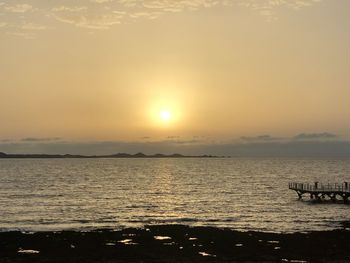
[[174, 243], [118, 155]]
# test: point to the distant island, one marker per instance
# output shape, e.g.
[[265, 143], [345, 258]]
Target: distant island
[[117, 155]]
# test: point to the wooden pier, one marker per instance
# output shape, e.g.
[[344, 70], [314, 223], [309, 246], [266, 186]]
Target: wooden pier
[[322, 191]]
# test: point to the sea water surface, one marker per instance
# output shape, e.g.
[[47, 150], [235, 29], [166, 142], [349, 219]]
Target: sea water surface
[[237, 193]]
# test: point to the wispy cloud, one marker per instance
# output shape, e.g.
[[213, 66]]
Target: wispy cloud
[[100, 1], [103, 14], [321, 136], [315, 136], [34, 139], [25, 35], [63, 8], [91, 22], [18, 8], [269, 8], [260, 138], [32, 26], [173, 137]]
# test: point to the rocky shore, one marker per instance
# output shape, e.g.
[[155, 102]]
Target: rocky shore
[[175, 243]]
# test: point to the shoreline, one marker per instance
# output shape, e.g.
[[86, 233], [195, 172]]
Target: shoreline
[[175, 243]]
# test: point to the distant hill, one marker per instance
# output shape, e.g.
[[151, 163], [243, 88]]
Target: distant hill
[[117, 155]]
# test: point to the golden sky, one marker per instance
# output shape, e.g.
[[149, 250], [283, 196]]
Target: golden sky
[[134, 70]]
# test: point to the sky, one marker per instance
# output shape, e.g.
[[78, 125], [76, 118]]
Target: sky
[[191, 76]]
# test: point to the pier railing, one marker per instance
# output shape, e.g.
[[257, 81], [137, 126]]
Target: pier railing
[[316, 187]]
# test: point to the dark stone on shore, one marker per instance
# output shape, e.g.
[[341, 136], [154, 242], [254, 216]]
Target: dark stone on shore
[[174, 243], [346, 225]]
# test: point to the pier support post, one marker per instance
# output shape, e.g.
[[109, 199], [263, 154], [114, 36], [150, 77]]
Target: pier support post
[[333, 198], [300, 195], [345, 198], [318, 197]]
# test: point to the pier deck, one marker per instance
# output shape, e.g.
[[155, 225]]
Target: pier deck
[[322, 191]]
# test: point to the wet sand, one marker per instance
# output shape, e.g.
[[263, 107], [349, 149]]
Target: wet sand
[[175, 243]]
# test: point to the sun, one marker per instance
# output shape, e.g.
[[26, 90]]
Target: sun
[[165, 115]]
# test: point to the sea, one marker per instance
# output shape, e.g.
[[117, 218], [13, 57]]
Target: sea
[[237, 193]]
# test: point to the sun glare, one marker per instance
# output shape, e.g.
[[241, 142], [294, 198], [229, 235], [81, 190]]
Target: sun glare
[[165, 115]]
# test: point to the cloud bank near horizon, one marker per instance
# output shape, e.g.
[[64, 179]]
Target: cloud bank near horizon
[[301, 145]]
